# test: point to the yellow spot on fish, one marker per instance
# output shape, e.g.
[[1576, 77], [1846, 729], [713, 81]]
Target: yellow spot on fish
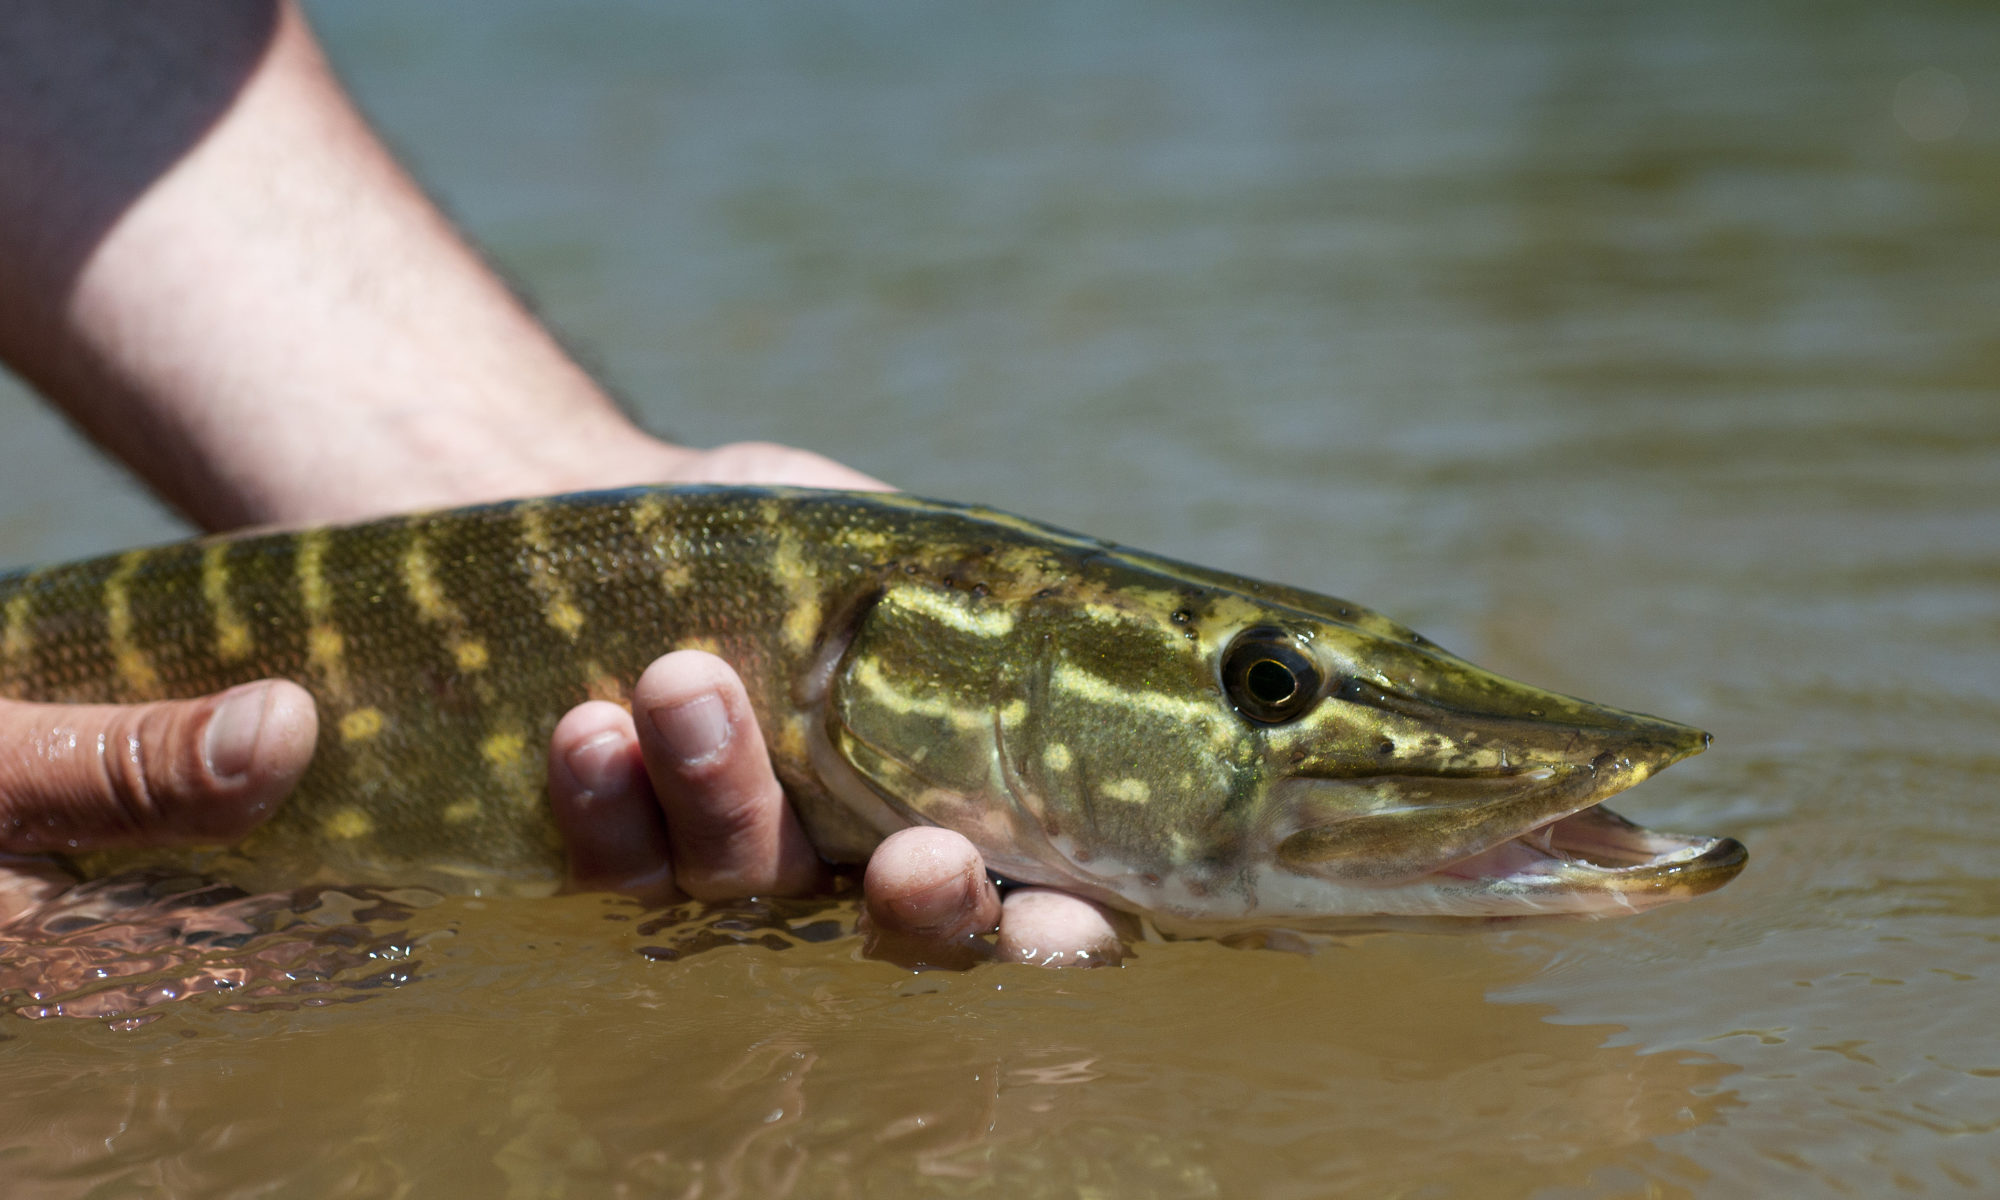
[[1075, 680], [324, 647], [950, 610], [458, 812], [20, 638], [607, 687], [647, 514], [869, 541], [232, 640], [565, 616], [361, 724], [675, 576], [421, 585], [347, 824], [870, 676], [504, 749], [1014, 712], [707, 645], [1056, 757], [232, 633], [314, 594], [134, 668], [469, 653], [558, 606], [790, 572], [789, 742], [1131, 791], [137, 671], [802, 622]]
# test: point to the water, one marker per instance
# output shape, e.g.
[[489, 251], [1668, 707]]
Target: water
[[1643, 352]]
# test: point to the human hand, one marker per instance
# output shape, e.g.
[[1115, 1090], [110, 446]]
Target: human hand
[[174, 772], [712, 823], [682, 802]]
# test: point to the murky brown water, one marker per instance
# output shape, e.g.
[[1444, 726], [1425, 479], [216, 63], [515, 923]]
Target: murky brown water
[[1642, 351]]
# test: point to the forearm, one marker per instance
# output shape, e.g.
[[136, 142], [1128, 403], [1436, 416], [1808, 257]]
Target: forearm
[[210, 261]]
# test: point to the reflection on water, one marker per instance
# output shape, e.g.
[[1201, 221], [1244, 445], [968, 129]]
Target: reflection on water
[[1643, 351], [120, 949]]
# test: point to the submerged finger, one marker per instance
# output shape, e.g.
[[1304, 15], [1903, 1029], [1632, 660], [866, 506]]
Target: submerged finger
[[79, 777], [928, 901], [614, 834], [1047, 928], [731, 831]]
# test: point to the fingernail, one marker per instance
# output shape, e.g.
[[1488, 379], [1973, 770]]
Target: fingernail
[[233, 729], [696, 730], [595, 762]]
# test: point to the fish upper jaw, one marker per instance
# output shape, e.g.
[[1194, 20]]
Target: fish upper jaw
[[1512, 842], [1387, 826]]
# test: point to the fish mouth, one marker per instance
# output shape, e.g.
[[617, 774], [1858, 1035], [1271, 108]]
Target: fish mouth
[[1595, 861], [1499, 842]]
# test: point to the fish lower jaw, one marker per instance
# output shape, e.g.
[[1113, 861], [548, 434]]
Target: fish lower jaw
[[1593, 862]]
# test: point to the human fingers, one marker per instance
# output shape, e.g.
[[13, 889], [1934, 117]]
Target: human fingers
[[1048, 928], [730, 831], [80, 777], [614, 834], [927, 901]]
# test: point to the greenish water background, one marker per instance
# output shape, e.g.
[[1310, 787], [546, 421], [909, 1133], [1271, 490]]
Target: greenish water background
[[1645, 352]]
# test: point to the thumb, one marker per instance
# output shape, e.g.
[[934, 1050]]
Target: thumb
[[95, 776]]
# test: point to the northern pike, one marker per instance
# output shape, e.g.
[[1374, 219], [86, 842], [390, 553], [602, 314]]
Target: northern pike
[[1207, 749]]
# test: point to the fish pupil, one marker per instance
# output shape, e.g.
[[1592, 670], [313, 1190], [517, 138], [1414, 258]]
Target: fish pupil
[[1271, 682]]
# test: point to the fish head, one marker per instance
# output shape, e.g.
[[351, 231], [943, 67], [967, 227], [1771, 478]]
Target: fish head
[[1217, 752], [1402, 778]]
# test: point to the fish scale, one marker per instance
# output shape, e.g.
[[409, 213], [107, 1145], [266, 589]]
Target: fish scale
[[1091, 717]]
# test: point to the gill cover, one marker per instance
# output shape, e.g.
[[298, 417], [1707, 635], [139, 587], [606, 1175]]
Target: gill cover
[[919, 706]]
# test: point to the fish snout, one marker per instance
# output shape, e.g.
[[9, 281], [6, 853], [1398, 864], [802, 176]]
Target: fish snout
[[1463, 762]]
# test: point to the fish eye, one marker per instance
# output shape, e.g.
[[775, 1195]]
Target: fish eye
[[1268, 678]]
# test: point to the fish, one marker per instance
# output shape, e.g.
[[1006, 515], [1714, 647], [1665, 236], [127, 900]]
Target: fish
[[1211, 751]]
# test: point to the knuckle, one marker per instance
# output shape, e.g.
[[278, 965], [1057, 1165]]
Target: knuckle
[[149, 764], [720, 834], [124, 762], [727, 821]]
